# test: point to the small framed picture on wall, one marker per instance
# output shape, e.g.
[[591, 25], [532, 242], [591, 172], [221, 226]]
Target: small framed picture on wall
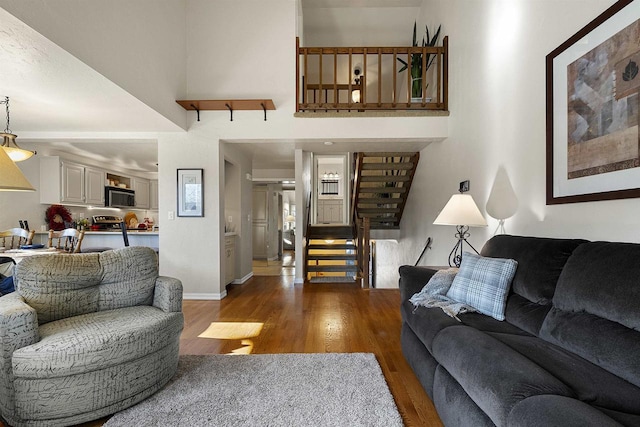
[[190, 192]]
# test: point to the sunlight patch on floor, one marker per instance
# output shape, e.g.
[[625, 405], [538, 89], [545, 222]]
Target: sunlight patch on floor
[[232, 330]]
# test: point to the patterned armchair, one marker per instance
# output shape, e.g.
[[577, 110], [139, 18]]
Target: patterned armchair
[[86, 335]]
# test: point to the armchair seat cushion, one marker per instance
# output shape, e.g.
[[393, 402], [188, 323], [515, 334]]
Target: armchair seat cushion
[[96, 341]]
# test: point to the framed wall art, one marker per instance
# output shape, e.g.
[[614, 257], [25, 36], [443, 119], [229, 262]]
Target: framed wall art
[[593, 80], [190, 192]]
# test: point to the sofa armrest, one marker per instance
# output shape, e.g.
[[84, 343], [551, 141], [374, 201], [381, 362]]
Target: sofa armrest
[[412, 280], [168, 294]]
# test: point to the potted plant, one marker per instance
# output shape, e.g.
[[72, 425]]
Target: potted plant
[[416, 62]]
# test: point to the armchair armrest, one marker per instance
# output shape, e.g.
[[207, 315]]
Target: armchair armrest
[[168, 294], [18, 328], [412, 280]]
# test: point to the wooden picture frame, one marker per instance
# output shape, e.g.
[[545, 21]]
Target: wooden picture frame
[[190, 192], [592, 85]]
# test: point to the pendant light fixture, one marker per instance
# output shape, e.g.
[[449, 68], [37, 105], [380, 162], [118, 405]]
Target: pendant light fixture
[[16, 153]]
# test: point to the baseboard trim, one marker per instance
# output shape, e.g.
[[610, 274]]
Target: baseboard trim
[[243, 279], [201, 296]]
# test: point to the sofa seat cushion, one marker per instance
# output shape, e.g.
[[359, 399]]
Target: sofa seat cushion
[[96, 341], [426, 323], [590, 383], [495, 376], [557, 411]]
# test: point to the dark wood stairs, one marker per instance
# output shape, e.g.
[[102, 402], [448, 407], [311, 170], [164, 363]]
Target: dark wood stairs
[[381, 187], [330, 254]]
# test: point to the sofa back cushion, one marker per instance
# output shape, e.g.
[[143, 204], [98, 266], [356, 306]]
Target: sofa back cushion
[[540, 262], [129, 277], [58, 286], [595, 308]]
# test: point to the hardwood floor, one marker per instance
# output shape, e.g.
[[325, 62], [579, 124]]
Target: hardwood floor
[[272, 315]]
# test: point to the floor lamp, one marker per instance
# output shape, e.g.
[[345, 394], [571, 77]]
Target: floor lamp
[[462, 212]]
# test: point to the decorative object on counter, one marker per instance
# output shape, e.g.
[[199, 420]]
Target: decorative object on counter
[[462, 212], [131, 220], [9, 145], [57, 216], [11, 177], [190, 192], [82, 224]]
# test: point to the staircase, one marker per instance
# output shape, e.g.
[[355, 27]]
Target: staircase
[[382, 183], [330, 254]]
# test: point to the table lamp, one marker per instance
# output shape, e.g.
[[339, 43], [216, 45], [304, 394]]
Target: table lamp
[[462, 212]]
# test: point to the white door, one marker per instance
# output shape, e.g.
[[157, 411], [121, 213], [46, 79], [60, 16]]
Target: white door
[[260, 211]]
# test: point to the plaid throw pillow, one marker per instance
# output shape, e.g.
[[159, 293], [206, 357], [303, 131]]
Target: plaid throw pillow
[[483, 283]]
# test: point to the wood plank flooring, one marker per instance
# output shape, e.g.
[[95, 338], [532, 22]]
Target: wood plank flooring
[[310, 318], [272, 315]]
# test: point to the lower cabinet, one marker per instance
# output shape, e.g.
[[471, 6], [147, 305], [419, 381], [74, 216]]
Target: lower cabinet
[[329, 211], [230, 259]]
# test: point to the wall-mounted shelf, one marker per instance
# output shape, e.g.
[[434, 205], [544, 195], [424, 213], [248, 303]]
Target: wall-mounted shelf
[[228, 104]]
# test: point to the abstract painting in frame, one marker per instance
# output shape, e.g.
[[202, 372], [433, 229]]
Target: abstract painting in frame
[[190, 192], [593, 80]]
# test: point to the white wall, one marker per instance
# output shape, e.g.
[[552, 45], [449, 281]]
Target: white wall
[[497, 103]]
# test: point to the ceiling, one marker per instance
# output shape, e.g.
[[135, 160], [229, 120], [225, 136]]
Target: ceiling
[[53, 93]]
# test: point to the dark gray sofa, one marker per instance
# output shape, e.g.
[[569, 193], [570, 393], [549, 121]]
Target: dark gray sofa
[[568, 353]]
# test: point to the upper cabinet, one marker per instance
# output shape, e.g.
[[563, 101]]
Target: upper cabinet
[[153, 194], [142, 188], [70, 183]]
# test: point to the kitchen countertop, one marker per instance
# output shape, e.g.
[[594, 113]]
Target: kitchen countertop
[[107, 232]]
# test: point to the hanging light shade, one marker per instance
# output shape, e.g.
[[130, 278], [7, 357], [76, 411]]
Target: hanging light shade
[[11, 177], [9, 145], [16, 153]]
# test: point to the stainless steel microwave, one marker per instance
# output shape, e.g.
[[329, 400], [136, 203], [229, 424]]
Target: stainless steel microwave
[[116, 197]]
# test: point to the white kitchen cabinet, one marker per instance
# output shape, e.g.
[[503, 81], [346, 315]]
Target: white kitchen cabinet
[[153, 194], [70, 183], [230, 259], [142, 188], [330, 211], [94, 180]]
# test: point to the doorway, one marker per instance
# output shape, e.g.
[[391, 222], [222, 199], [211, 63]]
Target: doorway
[[330, 189]]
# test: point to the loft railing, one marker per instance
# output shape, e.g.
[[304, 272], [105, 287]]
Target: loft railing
[[368, 78]]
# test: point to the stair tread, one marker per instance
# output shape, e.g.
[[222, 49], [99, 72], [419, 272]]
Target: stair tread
[[331, 246], [332, 268], [341, 257], [387, 166]]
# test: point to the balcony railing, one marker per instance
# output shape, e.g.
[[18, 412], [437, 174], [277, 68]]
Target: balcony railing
[[368, 78]]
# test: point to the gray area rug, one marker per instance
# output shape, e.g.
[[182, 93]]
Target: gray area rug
[[344, 389]]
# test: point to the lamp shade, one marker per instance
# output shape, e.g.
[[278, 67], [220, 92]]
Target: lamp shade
[[11, 177], [461, 210], [16, 153]]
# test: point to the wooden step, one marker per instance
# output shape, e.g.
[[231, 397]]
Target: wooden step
[[385, 178], [387, 166], [332, 268], [378, 210], [330, 232], [324, 257], [330, 246], [383, 190], [378, 201], [389, 154]]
